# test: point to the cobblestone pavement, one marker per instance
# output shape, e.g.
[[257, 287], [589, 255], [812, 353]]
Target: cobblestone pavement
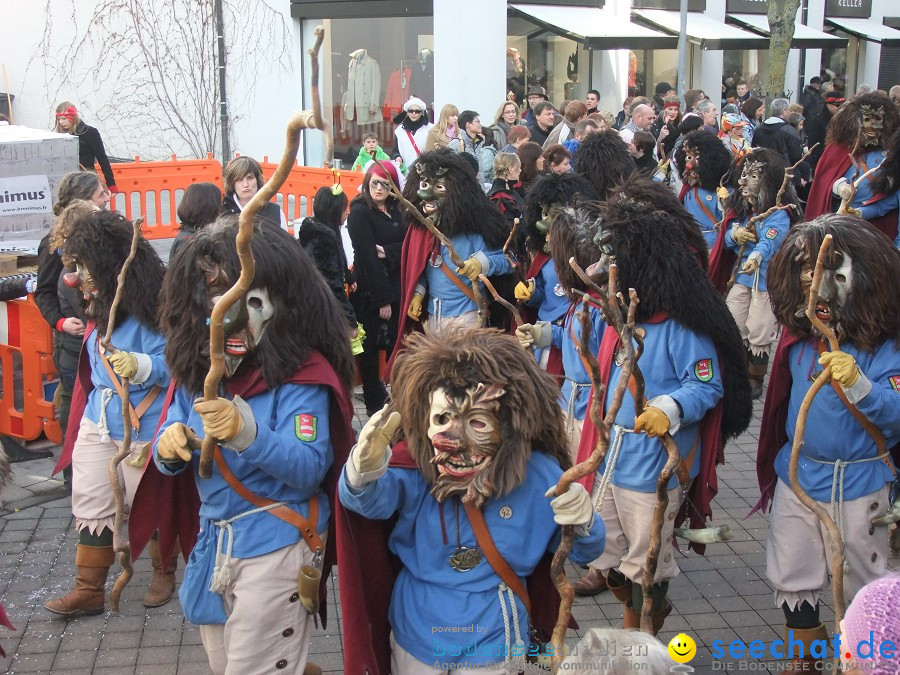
[[722, 596]]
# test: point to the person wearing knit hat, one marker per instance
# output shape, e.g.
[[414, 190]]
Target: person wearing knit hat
[[734, 134], [873, 618], [413, 130]]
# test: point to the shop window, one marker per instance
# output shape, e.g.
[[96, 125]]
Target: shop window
[[648, 67], [750, 65], [375, 65], [834, 68]]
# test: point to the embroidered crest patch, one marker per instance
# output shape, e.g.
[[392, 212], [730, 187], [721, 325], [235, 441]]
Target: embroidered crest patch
[[703, 370], [305, 427], [895, 382], [771, 233]]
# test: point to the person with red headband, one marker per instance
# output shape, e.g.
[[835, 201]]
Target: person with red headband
[[90, 144]]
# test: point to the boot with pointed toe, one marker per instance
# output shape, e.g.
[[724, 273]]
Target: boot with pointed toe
[[162, 586], [88, 597]]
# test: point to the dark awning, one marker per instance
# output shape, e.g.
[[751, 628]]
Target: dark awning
[[704, 30], [804, 36], [593, 27], [864, 29]]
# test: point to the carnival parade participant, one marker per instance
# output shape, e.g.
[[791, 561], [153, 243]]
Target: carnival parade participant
[[705, 162]]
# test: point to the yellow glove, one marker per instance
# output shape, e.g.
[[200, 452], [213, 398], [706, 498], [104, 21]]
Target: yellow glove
[[175, 443], [843, 368], [850, 211], [653, 421], [124, 363], [374, 442], [221, 418], [722, 193], [471, 269], [414, 311], [524, 291], [750, 266], [742, 235]]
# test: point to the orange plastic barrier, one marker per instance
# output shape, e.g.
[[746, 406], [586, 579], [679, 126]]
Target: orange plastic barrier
[[154, 189], [26, 358]]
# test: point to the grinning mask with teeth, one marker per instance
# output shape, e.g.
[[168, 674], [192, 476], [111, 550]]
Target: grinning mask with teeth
[[871, 126], [750, 182], [433, 193], [465, 435], [837, 280]]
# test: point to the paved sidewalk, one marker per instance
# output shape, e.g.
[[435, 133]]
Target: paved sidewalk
[[722, 596]]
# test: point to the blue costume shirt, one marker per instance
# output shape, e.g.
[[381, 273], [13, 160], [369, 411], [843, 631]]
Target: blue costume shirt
[[770, 233], [683, 365], [443, 297], [430, 598], [549, 297], [129, 336], [695, 201], [832, 432], [566, 338], [864, 192]]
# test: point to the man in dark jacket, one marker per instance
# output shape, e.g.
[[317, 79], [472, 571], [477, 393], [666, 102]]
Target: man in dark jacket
[[776, 134], [811, 98], [816, 126]]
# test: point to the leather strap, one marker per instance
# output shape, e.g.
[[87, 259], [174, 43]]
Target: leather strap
[[497, 562], [576, 341], [288, 515], [873, 431], [703, 208], [457, 281], [143, 406]]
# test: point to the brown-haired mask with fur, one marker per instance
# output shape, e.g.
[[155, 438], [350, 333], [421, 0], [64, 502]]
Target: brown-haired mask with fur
[[481, 369], [869, 313], [848, 123]]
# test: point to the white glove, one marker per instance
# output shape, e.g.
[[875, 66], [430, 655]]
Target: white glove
[[841, 188], [369, 458], [573, 507], [534, 335]]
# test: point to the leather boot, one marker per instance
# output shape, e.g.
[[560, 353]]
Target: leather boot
[[809, 663], [757, 366], [632, 618], [312, 669], [162, 586], [591, 583], [623, 592], [88, 596]]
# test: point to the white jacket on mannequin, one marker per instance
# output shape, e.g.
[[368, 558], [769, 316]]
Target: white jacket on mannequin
[[361, 100]]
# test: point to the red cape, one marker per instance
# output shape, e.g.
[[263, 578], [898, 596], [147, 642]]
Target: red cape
[[170, 505], [722, 259], [417, 247], [712, 446], [367, 571], [4, 621], [833, 164], [80, 392]]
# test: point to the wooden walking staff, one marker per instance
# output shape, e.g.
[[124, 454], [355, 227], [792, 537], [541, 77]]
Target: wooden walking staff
[[428, 223], [319, 121], [751, 224], [611, 308], [835, 542], [854, 186], [120, 543], [302, 120]]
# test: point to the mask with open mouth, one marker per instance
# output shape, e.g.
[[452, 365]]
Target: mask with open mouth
[[750, 182], [465, 435], [871, 126], [433, 193], [691, 167], [837, 280]]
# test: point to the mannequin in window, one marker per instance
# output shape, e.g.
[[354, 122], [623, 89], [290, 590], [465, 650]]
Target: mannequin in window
[[363, 95]]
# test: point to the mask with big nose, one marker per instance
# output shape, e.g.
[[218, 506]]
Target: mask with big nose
[[244, 324], [465, 434]]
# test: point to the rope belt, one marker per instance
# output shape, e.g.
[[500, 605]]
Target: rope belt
[[222, 573], [103, 426], [518, 649], [837, 485], [570, 406], [611, 460]]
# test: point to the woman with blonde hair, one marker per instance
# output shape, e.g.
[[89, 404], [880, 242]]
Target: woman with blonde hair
[[243, 178], [90, 144], [440, 135], [506, 118]]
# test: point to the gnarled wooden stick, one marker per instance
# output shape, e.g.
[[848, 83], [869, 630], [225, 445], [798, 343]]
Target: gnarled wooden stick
[[120, 543], [836, 543], [318, 120], [751, 224], [302, 120], [854, 186], [511, 308], [428, 223]]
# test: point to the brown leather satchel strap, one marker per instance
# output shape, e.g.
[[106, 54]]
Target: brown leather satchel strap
[[288, 515], [497, 562], [703, 208], [873, 431], [143, 406], [457, 281]]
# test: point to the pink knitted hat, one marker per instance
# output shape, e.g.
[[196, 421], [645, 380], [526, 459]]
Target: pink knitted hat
[[875, 610]]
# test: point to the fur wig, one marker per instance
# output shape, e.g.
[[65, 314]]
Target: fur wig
[[715, 160], [654, 258], [306, 315], [773, 166], [552, 188], [871, 315], [604, 160], [100, 243], [467, 209], [887, 180], [844, 126], [572, 236], [530, 419]]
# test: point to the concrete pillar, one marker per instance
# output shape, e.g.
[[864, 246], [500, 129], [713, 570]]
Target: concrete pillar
[[611, 78], [470, 65], [792, 75]]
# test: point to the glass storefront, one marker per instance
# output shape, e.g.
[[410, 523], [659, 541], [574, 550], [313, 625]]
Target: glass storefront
[[751, 65], [648, 67], [375, 65], [834, 68]]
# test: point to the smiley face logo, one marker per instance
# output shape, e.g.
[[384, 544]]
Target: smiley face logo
[[682, 648]]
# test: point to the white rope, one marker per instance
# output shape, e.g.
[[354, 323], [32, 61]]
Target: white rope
[[223, 574], [570, 407], [611, 460], [103, 426], [518, 647]]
